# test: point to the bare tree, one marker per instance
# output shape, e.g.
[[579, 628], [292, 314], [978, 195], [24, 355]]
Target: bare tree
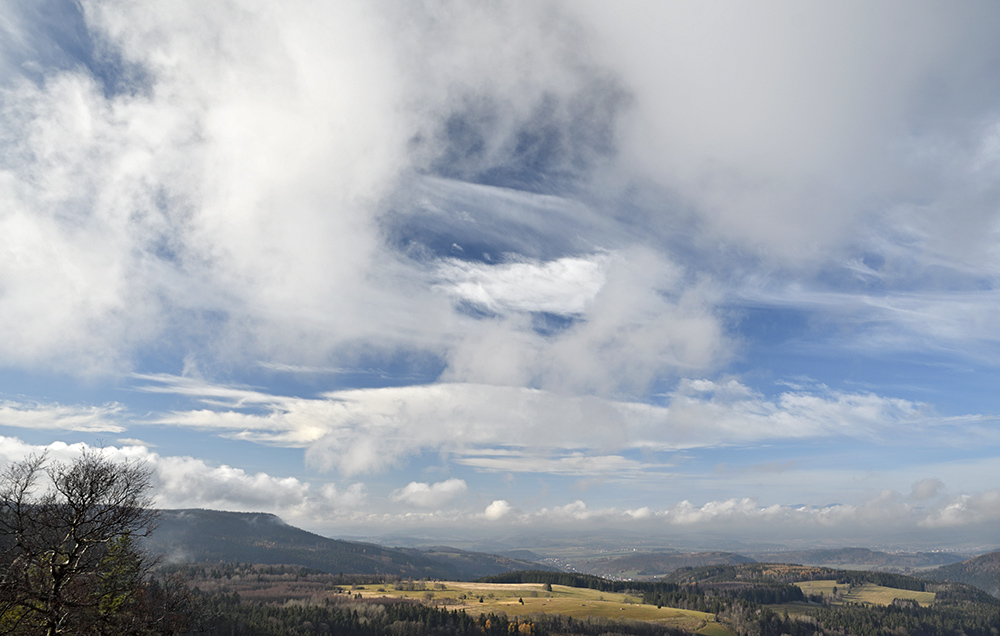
[[68, 549]]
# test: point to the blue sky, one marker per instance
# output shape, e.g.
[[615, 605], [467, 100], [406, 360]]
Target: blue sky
[[718, 270]]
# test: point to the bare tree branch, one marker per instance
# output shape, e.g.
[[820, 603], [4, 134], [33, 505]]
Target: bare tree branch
[[68, 553]]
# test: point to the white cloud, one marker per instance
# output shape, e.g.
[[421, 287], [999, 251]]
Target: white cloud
[[235, 202], [424, 495], [927, 320], [233, 206], [643, 321], [190, 482], [283, 180], [497, 510], [90, 419], [579, 464], [562, 286], [926, 489], [640, 513], [966, 509], [763, 118], [242, 183], [576, 511], [512, 429], [132, 441], [182, 482], [355, 496], [685, 513]]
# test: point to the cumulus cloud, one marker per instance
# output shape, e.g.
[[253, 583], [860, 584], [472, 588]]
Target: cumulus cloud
[[242, 182], [926, 489], [424, 495], [190, 482], [763, 118], [638, 319], [354, 497], [181, 482], [240, 178], [966, 509], [497, 510]]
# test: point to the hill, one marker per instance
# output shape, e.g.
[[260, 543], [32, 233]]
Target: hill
[[193, 536], [982, 571], [853, 558], [473, 565], [647, 564]]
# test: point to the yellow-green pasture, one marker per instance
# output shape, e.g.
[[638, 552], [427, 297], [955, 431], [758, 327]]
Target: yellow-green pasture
[[865, 593], [568, 601]]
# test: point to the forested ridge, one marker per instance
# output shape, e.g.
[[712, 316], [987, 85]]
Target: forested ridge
[[709, 599]]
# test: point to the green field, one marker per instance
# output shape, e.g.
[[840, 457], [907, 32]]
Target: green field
[[867, 593], [569, 601]]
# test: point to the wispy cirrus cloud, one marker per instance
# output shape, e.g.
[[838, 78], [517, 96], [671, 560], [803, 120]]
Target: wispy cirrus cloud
[[562, 286], [506, 428], [92, 419]]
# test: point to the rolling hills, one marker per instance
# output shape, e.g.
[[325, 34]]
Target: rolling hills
[[195, 535], [863, 558], [649, 564], [982, 571]]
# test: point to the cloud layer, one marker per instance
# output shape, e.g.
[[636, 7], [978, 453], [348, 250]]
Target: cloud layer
[[453, 247], [236, 195], [516, 429], [187, 482]]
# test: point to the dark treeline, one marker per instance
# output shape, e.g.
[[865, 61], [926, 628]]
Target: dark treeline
[[885, 579], [569, 579], [219, 570], [229, 615], [703, 599], [768, 572], [893, 620]]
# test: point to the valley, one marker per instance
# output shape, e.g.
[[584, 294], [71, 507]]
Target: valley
[[253, 573]]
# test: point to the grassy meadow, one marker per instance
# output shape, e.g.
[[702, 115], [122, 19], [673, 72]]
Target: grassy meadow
[[520, 599], [867, 593]]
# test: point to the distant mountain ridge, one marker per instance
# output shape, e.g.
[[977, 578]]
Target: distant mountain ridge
[[982, 571], [656, 563], [660, 563], [197, 535], [859, 557]]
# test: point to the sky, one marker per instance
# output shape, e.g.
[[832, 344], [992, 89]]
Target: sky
[[718, 270]]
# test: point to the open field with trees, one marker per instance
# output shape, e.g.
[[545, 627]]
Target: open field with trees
[[244, 599], [524, 599], [863, 593]]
